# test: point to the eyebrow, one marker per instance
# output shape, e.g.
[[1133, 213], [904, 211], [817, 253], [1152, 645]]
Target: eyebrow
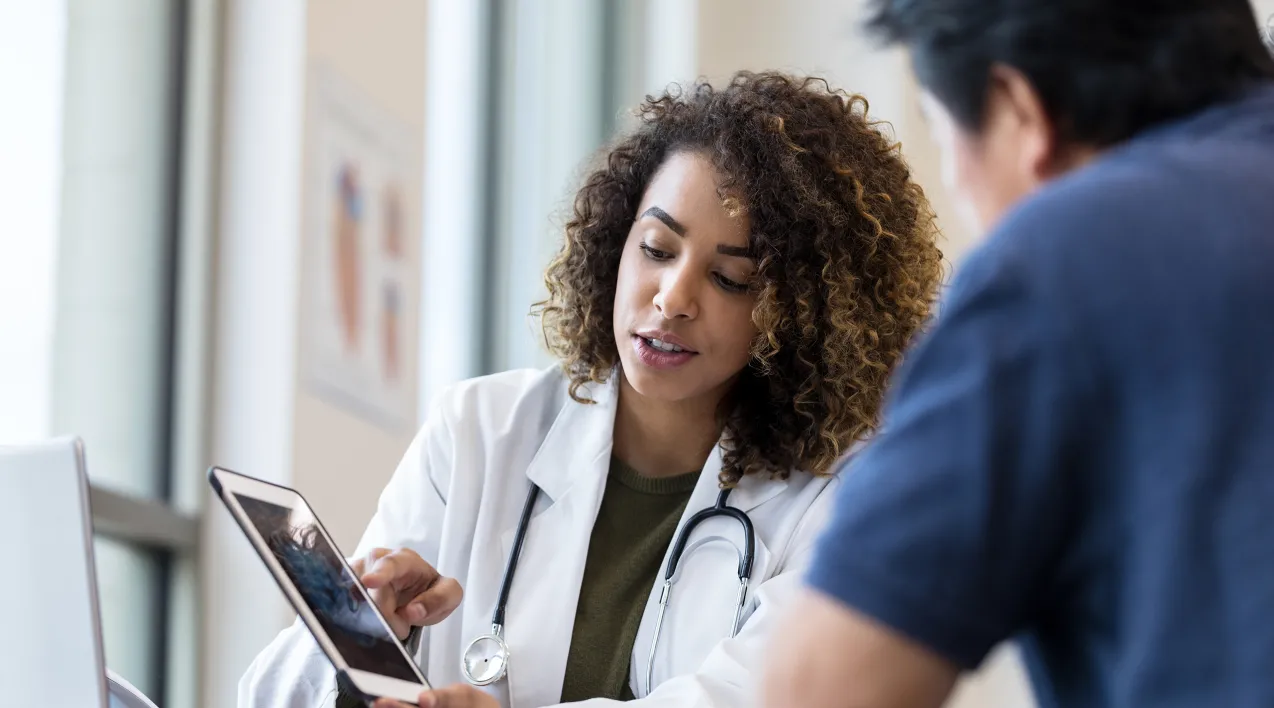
[[740, 251], [665, 217], [677, 228]]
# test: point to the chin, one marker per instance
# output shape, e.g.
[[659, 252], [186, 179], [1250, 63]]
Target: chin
[[663, 386], [651, 384]]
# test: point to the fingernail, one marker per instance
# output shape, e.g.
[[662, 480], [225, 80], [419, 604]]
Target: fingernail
[[418, 612], [426, 701]]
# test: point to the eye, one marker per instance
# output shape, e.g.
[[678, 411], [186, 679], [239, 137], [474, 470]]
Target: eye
[[730, 285], [655, 253]]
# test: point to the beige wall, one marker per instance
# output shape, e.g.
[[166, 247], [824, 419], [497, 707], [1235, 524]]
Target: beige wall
[[340, 461]]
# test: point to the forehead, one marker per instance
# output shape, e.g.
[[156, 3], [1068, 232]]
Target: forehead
[[687, 186]]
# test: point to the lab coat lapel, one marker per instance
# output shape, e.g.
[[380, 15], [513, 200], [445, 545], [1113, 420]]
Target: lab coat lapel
[[570, 468], [754, 490]]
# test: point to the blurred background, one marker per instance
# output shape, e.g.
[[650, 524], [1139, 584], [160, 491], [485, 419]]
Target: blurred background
[[263, 234]]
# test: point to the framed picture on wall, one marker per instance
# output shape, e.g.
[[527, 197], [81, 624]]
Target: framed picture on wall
[[360, 244]]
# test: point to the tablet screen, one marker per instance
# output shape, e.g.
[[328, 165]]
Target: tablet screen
[[330, 590]]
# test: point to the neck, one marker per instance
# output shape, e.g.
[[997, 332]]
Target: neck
[[662, 439], [1072, 157]]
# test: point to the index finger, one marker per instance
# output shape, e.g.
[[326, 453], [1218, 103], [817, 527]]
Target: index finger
[[383, 570], [365, 561], [407, 572]]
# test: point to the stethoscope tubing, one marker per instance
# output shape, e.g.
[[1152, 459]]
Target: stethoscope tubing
[[515, 554]]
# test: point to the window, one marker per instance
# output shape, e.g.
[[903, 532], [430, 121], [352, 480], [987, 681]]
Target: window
[[108, 319], [563, 72]]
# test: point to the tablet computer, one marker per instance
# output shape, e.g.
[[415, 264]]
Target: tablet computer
[[369, 660]]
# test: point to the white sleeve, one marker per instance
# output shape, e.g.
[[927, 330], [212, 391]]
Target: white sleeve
[[292, 672], [730, 675]]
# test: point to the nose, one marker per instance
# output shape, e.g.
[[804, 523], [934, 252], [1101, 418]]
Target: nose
[[678, 296]]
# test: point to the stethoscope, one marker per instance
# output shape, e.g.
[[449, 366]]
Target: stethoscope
[[486, 659]]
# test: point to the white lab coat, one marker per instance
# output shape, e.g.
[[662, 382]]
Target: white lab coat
[[456, 498]]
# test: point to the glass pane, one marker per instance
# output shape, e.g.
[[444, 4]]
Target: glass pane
[[115, 257], [129, 586], [31, 36]]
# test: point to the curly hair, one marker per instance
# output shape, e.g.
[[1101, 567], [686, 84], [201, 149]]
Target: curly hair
[[847, 260]]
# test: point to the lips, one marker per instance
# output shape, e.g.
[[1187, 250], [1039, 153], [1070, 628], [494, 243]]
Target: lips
[[665, 341], [654, 355]]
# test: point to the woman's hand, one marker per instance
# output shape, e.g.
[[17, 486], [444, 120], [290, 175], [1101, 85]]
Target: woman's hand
[[461, 695], [408, 591]]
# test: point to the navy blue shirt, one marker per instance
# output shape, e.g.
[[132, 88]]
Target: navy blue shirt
[[1080, 453]]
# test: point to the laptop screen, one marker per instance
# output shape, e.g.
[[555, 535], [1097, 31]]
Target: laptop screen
[[52, 646]]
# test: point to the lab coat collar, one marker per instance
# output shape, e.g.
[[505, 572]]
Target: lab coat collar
[[754, 489], [581, 435]]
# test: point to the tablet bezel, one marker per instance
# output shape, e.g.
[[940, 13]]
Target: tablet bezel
[[227, 484]]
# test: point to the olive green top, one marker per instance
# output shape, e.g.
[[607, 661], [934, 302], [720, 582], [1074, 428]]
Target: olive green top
[[634, 528]]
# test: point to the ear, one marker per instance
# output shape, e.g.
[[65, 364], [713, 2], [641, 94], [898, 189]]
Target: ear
[[1036, 132]]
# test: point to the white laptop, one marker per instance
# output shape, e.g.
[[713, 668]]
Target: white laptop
[[50, 630]]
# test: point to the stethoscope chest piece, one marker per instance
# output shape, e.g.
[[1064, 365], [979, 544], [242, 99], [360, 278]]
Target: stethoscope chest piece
[[486, 659]]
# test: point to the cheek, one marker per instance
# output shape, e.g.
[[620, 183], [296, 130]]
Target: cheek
[[630, 281], [735, 330]]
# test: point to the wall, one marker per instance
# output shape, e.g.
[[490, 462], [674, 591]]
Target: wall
[[265, 422], [341, 461]]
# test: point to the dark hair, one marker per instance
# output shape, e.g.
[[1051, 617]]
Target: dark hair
[[847, 259], [1105, 69]]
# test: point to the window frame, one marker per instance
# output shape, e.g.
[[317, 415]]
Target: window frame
[[169, 526]]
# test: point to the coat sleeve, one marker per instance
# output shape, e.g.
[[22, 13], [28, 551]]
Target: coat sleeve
[[730, 675], [293, 672]]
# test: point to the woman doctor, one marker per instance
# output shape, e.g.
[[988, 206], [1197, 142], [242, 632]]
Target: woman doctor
[[739, 278]]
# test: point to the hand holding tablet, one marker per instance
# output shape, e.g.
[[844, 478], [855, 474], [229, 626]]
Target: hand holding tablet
[[368, 656]]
